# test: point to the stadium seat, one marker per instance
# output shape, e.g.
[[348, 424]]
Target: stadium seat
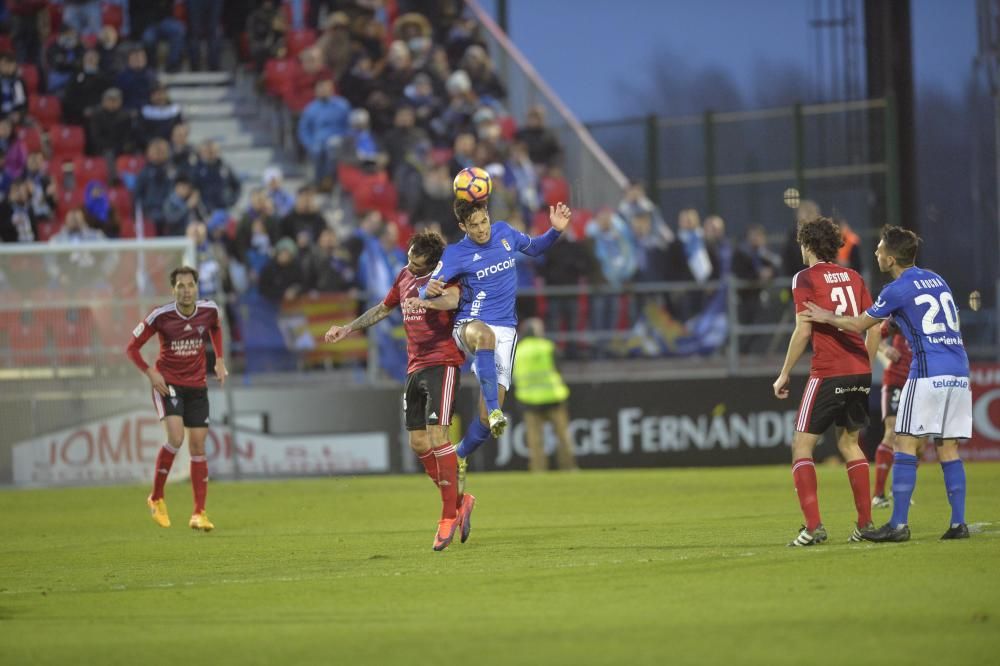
[[46, 230], [299, 40], [73, 337], [508, 127], [28, 341], [111, 15], [280, 75], [129, 227], [66, 140], [92, 168], [349, 177], [554, 189], [67, 200], [30, 75], [31, 136], [46, 109], [64, 171], [128, 167], [121, 200]]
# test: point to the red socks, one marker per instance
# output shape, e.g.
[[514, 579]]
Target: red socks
[[804, 473], [164, 460], [883, 463], [857, 474], [199, 481], [441, 464]]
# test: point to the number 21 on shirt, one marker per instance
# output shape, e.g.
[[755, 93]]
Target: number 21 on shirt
[[841, 296]]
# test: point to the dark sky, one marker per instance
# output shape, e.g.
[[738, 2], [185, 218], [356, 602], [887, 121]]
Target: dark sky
[[586, 48]]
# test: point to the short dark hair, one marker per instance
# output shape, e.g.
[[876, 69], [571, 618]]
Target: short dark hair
[[900, 243], [182, 270], [465, 209], [822, 237], [428, 244]]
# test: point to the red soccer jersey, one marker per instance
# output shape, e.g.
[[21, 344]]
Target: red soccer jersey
[[428, 332], [835, 353], [182, 342], [897, 371]]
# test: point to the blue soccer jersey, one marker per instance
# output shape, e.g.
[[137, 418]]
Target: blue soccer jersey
[[922, 305], [487, 273]]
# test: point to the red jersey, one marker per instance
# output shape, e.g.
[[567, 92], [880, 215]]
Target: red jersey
[[897, 371], [428, 332], [182, 342], [835, 352]]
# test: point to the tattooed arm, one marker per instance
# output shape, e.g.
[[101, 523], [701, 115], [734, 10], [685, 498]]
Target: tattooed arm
[[370, 318]]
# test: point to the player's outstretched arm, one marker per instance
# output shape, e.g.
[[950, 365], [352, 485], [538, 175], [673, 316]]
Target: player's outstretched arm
[[559, 217], [446, 301], [796, 347], [873, 338], [370, 318], [859, 324]]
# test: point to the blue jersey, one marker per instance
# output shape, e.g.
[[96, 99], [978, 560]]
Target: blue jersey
[[921, 304], [487, 273]]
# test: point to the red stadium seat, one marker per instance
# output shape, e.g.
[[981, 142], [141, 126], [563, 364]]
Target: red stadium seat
[[349, 177], [280, 75], [66, 140], [65, 201], [30, 75], [46, 109], [46, 230], [92, 168], [65, 171], [131, 164], [128, 228], [508, 127], [299, 40], [554, 189], [121, 200], [111, 15], [31, 136], [28, 341]]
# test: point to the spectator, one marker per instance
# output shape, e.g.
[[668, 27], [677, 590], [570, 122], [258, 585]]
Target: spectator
[[365, 237], [25, 17], [84, 16], [182, 154], [791, 255], [266, 28], [282, 200], [462, 34], [566, 264], [503, 200], [85, 89], [485, 82], [398, 71], [18, 223], [75, 229], [359, 82], [155, 183], [491, 146], [13, 150], [542, 144], [456, 118], [359, 146], [136, 81], [109, 51], [615, 256], [335, 44], [463, 152], [382, 110], [281, 279], [687, 260], [203, 17], [436, 202], [158, 118], [753, 262], [328, 266], [110, 127], [43, 190], [63, 57], [419, 95], [262, 210], [218, 183], [79, 268], [258, 252], [380, 262], [321, 128], [153, 21], [369, 33], [99, 212], [543, 394], [404, 138], [849, 254], [305, 217], [210, 260], [720, 250], [13, 93], [635, 201], [520, 170], [311, 71], [182, 207]]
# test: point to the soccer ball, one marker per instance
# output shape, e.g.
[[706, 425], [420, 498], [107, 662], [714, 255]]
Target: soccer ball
[[472, 184]]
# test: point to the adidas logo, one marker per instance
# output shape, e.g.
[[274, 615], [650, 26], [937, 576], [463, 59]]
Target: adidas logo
[[433, 415], [187, 328], [476, 257]]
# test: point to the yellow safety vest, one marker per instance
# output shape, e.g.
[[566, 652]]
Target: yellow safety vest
[[535, 376]]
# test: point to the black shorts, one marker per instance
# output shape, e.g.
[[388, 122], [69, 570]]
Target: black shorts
[[429, 396], [890, 399], [841, 401], [188, 402]]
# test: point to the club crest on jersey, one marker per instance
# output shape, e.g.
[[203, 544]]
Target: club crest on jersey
[[506, 245], [201, 330]]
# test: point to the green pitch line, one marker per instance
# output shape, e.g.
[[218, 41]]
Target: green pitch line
[[618, 567]]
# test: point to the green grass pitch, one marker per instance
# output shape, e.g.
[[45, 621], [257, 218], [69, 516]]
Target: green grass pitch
[[616, 567]]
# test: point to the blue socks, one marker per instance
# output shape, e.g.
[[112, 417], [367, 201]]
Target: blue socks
[[486, 371], [904, 478], [476, 434], [954, 483]]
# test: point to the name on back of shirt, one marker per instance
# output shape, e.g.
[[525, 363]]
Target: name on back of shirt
[[930, 283], [836, 278]]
